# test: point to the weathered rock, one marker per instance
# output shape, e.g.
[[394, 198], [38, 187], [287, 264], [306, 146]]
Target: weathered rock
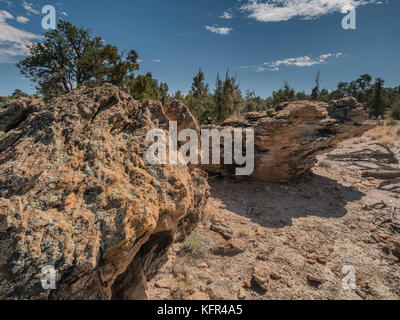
[[225, 232], [288, 138], [76, 193], [231, 247], [314, 279], [262, 274], [177, 111]]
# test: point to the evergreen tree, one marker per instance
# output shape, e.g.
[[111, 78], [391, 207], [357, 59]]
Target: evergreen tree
[[178, 96], [69, 57], [199, 100], [144, 88], [395, 113], [283, 95], [228, 99], [164, 93], [199, 87], [377, 103]]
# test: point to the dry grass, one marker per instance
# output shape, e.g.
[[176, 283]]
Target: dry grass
[[386, 132], [209, 215], [243, 232], [388, 141], [195, 246], [358, 140]]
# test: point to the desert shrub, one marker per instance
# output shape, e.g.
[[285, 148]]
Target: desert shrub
[[194, 246], [395, 114]]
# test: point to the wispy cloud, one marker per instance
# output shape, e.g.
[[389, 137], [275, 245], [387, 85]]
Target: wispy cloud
[[300, 62], [284, 10], [29, 7], [219, 30], [305, 61], [22, 19], [13, 41], [227, 15]]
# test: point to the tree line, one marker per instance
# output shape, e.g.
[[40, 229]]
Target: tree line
[[69, 57]]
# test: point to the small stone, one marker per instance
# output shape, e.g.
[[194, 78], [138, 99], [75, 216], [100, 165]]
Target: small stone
[[314, 279], [275, 275]]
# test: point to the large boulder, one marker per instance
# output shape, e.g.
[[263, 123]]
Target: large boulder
[[289, 137], [77, 194]]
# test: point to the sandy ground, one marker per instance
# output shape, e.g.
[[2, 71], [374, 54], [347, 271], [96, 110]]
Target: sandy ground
[[305, 231]]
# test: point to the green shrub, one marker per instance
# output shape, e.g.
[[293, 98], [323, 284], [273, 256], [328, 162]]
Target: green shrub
[[396, 111]]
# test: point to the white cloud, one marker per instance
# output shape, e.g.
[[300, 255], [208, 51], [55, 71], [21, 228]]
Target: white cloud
[[305, 61], [5, 15], [284, 10], [13, 41], [227, 15], [21, 19], [157, 60], [29, 7], [219, 30]]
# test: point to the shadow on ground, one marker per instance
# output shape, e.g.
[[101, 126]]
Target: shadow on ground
[[275, 205]]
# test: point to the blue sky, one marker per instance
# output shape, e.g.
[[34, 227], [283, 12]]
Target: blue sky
[[264, 42]]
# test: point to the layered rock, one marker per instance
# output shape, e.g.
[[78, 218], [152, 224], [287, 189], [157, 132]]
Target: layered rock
[[77, 194], [289, 137]]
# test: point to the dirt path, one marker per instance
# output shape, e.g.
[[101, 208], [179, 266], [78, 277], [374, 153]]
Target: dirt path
[[299, 236]]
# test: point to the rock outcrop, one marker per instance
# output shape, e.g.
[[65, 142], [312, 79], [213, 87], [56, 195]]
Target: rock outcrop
[[77, 194], [289, 137]]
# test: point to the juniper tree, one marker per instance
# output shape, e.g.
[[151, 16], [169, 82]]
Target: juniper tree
[[69, 57]]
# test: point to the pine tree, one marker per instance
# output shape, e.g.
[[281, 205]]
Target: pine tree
[[377, 104], [163, 89]]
